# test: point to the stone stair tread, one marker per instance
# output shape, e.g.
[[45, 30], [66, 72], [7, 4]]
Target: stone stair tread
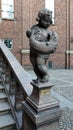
[[6, 120], [4, 106], [1, 87], [3, 95]]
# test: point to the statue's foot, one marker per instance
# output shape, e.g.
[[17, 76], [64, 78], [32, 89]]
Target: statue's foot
[[36, 80], [44, 79]]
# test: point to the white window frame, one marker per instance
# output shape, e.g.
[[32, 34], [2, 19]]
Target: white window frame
[[7, 9], [49, 4]]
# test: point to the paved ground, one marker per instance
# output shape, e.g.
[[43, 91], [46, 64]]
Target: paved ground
[[63, 92]]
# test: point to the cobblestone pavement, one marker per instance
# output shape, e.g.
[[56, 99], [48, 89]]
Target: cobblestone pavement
[[63, 92]]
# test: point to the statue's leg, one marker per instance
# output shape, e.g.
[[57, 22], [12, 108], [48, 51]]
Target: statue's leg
[[39, 67], [42, 69], [43, 73], [34, 64]]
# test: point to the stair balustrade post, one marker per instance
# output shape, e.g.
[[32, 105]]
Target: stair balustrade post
[[12, 85], [3, 69], [1, 60], [7, 74], [19, 97]]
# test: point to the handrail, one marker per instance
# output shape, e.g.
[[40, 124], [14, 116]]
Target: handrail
[[22, 77]]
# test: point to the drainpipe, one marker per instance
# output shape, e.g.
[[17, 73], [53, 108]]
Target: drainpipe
[[69, 38], [66, 34], [67, 54], [22, 41]]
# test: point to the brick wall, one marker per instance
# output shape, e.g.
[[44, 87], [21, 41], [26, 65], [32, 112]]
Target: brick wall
[[60, 27], [12, 29]]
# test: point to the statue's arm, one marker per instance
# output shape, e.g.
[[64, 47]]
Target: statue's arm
[[28, 33], [52, 41]]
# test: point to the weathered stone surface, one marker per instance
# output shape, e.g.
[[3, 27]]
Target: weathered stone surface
[[41, 110]]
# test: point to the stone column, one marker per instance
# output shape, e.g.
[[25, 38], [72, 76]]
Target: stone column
[[41, 111]]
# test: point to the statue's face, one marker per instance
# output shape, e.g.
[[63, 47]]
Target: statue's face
[[46, 19]]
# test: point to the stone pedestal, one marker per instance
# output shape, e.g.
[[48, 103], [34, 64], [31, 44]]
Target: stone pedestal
[[41, 111]]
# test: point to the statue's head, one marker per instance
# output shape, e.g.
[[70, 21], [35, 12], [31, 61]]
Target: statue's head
[[45, 18]]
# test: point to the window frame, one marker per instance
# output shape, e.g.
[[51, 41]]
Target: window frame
[[12, 12]]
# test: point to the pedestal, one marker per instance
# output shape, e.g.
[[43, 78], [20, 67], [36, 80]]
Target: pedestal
[[41, 111]]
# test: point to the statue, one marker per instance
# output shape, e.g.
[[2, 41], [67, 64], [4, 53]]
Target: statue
[[43, 42]]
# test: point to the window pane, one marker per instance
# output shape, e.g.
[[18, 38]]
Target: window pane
[[7, 8], [4, 1], [11, 15], [4, 8], [5, 15], [8, 43], [10, 2], [10, 8]]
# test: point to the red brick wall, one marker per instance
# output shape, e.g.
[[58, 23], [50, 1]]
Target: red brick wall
[[60, 27], [12, 29]]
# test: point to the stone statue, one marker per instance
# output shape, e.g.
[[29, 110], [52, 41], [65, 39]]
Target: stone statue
[[43, 42]]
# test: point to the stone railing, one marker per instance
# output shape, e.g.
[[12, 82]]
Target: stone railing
[[16, 80]]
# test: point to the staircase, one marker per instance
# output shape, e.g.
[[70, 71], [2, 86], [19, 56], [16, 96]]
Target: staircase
[[7, 121]]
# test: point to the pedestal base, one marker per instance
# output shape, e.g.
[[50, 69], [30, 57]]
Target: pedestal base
[[46, 120], [41, 111]]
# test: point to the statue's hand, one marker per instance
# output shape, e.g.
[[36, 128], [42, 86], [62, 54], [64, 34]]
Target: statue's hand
[[47, 43], [52, 51], [28, 33]]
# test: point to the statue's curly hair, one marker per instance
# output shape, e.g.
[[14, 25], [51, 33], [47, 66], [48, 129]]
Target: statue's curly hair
[[42, 13]]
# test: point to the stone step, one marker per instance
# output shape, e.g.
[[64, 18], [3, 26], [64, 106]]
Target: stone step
[[1, 87], [2, 95], [7, 122], [4, 106]]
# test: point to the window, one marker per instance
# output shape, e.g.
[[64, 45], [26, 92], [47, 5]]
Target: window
[[49, 4], [7, 9], [8, 43], [50, 64]]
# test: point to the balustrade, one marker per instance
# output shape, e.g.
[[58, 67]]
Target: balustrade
[[15, 79]]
